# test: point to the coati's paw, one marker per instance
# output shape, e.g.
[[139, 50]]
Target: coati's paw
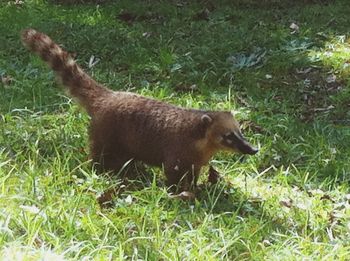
[[184, 195], [213, 176]]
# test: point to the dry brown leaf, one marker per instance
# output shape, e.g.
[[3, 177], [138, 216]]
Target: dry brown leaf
[[294, 28]]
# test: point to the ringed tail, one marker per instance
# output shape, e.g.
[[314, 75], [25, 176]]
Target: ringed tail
[[79, 83]]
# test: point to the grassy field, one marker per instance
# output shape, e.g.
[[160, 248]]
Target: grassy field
[[281, 66]]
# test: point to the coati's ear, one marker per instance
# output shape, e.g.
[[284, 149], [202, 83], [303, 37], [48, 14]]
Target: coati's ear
[[206, 119]]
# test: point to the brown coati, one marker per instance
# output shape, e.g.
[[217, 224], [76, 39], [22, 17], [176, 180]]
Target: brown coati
[[128, 126]]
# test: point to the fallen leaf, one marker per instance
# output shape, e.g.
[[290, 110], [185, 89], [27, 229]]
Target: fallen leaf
[[294, 27], [128, 199]]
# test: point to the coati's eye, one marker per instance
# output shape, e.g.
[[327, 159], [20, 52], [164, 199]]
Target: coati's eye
[[232, 137], [236, 141]]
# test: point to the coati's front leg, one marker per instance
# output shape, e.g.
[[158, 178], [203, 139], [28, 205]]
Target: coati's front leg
[[213, 175], [181, 176]]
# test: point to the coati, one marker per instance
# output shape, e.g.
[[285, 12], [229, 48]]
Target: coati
[[128, 126]]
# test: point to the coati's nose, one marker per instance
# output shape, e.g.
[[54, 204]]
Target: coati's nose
[[241, 144], [253, 151], [246, 148]]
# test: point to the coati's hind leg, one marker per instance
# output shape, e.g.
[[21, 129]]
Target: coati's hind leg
[[107, 159], [114, 160], [110, 163]]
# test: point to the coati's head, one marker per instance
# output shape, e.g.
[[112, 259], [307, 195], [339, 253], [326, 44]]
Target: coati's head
[[224, 133]]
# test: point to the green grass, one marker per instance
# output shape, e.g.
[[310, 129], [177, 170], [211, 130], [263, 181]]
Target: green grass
[[290, 91]]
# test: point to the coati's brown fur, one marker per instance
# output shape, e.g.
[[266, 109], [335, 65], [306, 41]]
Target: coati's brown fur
[[128, 126]]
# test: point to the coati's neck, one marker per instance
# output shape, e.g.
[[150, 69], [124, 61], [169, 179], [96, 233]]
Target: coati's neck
[[205, 150]]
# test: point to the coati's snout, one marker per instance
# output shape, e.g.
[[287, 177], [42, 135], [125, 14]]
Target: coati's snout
[[237, 142]]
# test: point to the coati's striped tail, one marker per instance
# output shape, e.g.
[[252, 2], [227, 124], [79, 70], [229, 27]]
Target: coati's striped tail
[[79, 84]]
